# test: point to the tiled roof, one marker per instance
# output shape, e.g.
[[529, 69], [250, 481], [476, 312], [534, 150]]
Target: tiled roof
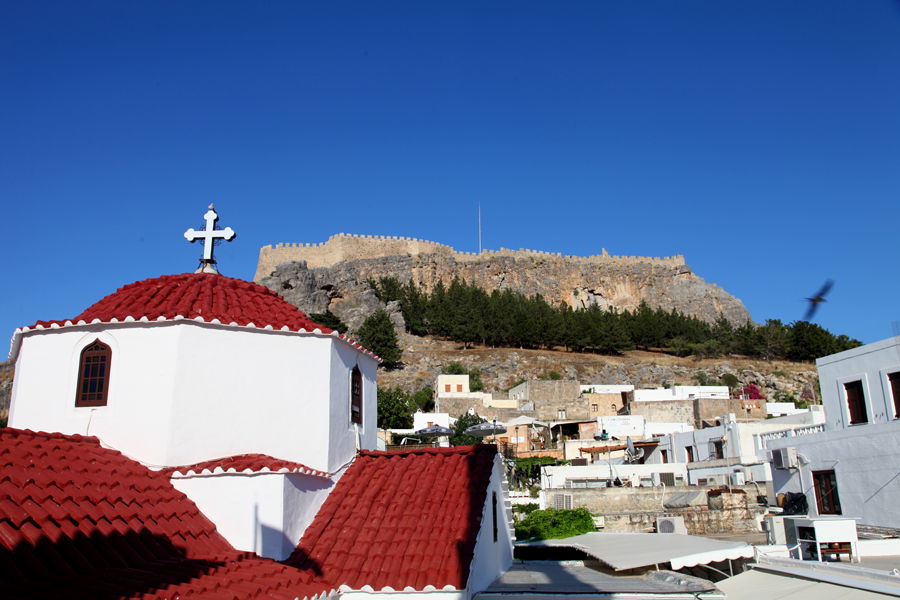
[[244, 463], [207, 296], [201, 297], [401, 520], [81, 521]]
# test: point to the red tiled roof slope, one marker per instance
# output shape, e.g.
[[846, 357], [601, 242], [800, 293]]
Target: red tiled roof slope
[[191, 295], [401, 519], [81, 521], [244, 463]]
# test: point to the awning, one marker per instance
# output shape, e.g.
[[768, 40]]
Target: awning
[[755, 584], [617, 447], [571, 422], [525, 420], [623, 551]]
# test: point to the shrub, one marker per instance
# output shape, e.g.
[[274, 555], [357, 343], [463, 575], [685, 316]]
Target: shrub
[[552, 524]]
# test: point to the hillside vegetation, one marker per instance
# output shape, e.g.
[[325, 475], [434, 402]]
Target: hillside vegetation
[[501, 368], [469, 315]]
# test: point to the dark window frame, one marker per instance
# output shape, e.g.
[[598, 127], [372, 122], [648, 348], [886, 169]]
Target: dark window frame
[[828, 501], [356, 396], [855, 396], [494, 513], [894, 387], [689, 451], [94, 365]]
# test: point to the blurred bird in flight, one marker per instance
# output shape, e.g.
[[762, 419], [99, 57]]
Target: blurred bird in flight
[[817, 299]]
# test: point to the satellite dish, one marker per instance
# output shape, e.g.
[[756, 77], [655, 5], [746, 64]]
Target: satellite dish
[[632, 454]]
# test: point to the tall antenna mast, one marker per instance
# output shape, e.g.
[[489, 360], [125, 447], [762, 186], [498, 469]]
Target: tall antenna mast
[[479, 228]]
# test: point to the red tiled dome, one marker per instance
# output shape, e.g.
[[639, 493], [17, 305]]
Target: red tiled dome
[[198, 295]]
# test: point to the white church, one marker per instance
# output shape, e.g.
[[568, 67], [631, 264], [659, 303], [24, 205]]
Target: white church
[[266, 421]]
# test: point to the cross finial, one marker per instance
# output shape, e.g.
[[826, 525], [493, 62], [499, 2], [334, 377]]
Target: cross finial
[[209, 237]]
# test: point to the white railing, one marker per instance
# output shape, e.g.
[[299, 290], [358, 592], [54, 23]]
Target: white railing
[[762, 438]]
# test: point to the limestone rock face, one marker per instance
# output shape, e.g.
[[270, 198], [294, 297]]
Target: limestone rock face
[[576, 283]]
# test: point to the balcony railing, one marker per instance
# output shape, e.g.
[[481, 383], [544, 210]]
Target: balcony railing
[[762, 438]]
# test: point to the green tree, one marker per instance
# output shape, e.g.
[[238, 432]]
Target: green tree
[[377, 334], [772, 339], [552, 524], [395, 409], [330, 320], [424, 399], [459, 438]]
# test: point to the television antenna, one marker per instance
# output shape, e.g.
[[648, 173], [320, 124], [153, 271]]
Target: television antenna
[[479, 228]]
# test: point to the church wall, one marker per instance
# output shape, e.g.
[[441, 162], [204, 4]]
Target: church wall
[[401, 595], [264, 513], [491, 559], [242, 391], [136, 418], [343, 433]]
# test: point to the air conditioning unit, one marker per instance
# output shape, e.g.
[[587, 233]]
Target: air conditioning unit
[[774, 528], [738, 478], [670, 525], [784, 458], [562, 501]]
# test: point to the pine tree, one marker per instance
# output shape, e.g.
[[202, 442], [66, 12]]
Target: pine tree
[[377, 334]]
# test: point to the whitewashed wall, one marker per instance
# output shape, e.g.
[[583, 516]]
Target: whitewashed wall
[[491, 558], [137, 417], [865, 461], [422, 419], [682, 392], [185, 392], [870, 364], [264, 513], [555, 477], [344, 436]]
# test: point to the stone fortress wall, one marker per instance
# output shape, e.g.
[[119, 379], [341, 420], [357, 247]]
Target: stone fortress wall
[[345, 247]]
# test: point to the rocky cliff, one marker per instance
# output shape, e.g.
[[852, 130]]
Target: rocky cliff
[[622, 282]]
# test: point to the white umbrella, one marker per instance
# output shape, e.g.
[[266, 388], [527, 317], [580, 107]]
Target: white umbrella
[[485, 429], [434, 431]]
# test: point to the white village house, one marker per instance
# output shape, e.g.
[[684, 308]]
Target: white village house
[[851, 466], [265, 420]]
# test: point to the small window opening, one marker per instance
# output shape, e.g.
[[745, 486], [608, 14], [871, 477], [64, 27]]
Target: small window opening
[[827, 501], [894, 379], [93, 375], [494, 512], [356, 399], [856, 402]]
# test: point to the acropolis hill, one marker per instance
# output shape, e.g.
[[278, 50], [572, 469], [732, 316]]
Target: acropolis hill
[[321, 276]]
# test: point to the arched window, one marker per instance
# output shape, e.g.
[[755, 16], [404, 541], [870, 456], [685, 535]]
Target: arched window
[[93, 375], [356, 395]]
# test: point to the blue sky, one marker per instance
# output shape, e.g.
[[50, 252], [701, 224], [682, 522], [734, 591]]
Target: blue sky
[[759, 139]]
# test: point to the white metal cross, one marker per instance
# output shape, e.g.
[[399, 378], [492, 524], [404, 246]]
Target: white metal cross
[[209, 236]]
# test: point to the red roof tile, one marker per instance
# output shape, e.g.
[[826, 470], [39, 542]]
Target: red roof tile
[[398, 519], [244, 463], [81, 521], [198, 295], [204, 297]]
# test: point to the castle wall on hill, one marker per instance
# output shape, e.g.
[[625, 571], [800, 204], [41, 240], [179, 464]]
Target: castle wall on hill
[[345, 247]]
